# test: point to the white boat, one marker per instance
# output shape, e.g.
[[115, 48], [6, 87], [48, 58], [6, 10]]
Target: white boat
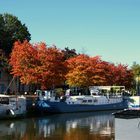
[[12, 106]]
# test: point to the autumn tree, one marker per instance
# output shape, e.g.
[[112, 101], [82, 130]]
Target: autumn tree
[[23, 62], [52, 67], [77, 71], [92, 71], [11, 30], [122, 75], [98, 71], [83, 71], [115, 75], [38, 64], [105, 73], [45, 66]]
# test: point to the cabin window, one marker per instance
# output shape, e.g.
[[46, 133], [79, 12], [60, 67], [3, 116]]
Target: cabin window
[[84, 101], [43, 93], [4, 100], [95, 100], [94, 93], [90, 101]]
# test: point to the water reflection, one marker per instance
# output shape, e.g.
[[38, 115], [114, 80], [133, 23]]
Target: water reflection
[[79, 126]]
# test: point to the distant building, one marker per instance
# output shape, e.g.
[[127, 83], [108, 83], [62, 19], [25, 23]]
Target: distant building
[[4, 80], [10, 85]]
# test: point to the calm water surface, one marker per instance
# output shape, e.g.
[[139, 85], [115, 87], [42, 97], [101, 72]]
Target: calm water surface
[[127, 129], [79, 126]]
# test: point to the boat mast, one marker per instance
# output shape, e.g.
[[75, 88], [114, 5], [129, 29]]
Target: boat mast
[[9, 85]]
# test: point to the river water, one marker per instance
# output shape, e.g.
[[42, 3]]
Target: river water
[[74, 126]]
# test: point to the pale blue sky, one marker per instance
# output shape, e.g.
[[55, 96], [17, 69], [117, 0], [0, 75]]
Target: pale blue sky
[[109, 28]]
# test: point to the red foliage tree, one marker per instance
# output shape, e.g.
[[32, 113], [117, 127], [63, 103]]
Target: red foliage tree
[[52, 68], [98, 72], [38, 64], [23, 62], [122, 75]]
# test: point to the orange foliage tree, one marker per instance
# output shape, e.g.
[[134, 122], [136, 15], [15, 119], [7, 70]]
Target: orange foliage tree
[[92, 71], [84, 71], [38, 64], [79, 71]]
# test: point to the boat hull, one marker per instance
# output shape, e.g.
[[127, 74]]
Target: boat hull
[[11, 114], [63, 107], [12, 107]]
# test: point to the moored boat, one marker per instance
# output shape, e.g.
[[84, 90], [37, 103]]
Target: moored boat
[[133, 110], [80, 103], [12, 106]]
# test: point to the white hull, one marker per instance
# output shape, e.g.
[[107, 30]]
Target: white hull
[[12, 107]]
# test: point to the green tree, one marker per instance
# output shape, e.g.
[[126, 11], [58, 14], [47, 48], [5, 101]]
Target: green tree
[[136, 72], [3, 61], [11, 30], [136, 69], [68, 53]]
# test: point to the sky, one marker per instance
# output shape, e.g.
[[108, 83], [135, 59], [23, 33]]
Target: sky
[[108, 28]]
